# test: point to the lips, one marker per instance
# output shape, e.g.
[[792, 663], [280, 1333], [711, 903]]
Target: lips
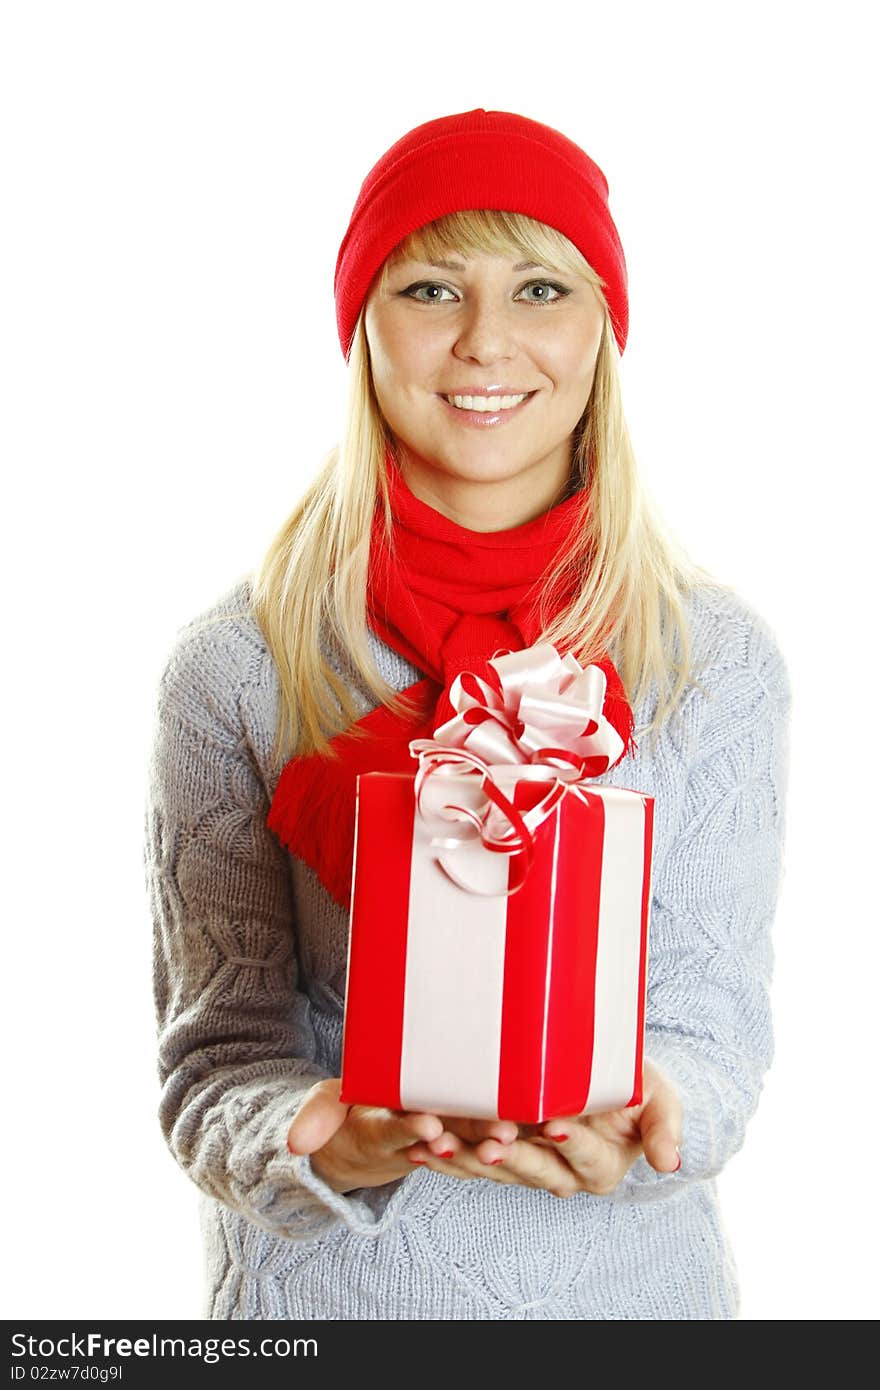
[[491, 403], [477, 412], [487, 400], [487, 391]]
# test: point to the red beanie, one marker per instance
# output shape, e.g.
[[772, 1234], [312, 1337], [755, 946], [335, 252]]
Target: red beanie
[[479, 159]]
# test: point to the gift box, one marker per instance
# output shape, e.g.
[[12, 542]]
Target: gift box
[[500, 910]]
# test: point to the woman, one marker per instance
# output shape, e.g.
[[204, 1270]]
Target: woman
[[484, 497]]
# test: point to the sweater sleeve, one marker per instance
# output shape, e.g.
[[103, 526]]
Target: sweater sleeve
[[236, 1042], [708, 1020]]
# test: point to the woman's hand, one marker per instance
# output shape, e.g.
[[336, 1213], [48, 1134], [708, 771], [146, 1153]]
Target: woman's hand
[[589, 1153], [365, 1146]]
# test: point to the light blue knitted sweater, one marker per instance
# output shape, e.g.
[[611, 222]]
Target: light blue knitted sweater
[[250, 961]]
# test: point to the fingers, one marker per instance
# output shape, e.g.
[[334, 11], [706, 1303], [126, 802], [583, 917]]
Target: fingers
[[321, 1114], [661, 1128], [521, 1162], [454, 1156], [597, 1161], [485, 1149], [564, 1155], [472, 1131], [396, 1129], [486, 1138], [661, 1136]]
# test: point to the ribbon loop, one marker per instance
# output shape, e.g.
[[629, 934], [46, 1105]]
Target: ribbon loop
[[538, 717]]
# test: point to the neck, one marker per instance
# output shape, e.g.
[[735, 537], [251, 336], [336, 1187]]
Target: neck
[[489, 505]]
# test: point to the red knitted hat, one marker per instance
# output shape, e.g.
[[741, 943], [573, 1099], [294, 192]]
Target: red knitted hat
[[479, 159]]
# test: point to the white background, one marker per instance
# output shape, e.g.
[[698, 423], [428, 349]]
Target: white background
[[176, 179]]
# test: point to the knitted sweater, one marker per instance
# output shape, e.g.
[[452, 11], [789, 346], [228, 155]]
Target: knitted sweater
[[250, 966]]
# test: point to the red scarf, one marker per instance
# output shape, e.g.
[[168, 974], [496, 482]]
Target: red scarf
[[448, 602]]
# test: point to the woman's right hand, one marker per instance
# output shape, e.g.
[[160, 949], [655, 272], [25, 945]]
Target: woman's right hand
[[365, 1146]]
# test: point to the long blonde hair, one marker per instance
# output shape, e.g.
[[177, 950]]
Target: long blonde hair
[[632, 574]]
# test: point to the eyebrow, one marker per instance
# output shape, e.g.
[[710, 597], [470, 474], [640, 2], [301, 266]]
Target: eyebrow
[[457, 265]]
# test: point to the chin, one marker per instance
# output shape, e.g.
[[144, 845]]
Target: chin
[[480, 470], [487, 454]]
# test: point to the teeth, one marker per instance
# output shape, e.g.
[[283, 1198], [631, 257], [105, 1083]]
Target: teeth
[[485, 403]]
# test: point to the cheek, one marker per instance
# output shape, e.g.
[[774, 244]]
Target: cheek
[[571, 360], [398, 355], [412, 356]]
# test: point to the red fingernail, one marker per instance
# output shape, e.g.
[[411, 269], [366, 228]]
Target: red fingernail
[[418, 1162], [678, 1164], [292, 1150], [493, 1161], [446, 1154], [558, 1138]]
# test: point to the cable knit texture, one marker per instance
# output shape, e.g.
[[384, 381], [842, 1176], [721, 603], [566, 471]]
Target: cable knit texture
[[250, 962]]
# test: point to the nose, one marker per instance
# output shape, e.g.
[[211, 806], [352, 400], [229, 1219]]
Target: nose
[[485, 331]]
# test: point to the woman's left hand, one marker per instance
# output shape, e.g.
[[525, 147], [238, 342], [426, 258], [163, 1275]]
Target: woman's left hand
[[593, 1156]]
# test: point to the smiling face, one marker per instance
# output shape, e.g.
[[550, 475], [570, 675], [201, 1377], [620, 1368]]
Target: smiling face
[[493, 328]]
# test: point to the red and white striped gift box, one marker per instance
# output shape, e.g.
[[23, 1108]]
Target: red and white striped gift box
[[520, 1007]]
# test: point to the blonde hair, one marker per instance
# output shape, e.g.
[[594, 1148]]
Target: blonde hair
[[631, 573]]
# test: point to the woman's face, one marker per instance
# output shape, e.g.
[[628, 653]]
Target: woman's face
[[494, 329]]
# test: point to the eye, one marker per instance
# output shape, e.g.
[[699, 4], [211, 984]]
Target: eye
[[550, 291], [433, 292]]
